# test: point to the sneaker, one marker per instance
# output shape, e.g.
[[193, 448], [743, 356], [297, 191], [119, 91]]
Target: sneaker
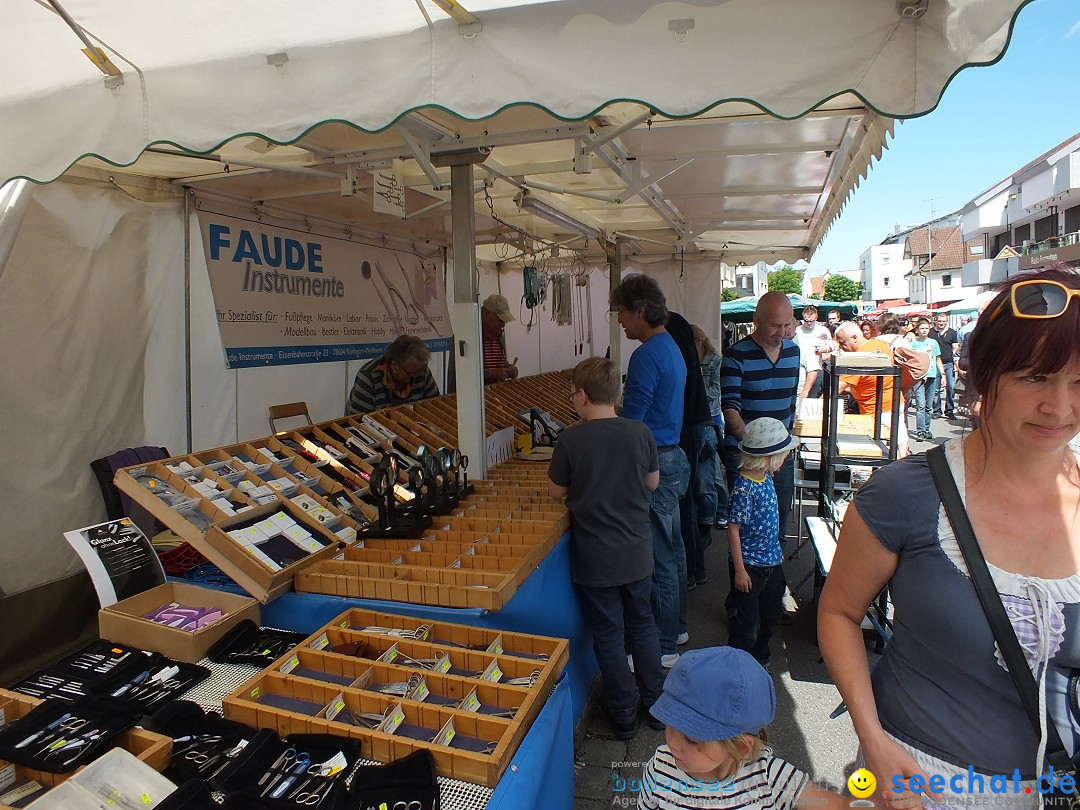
[[720, 524], [787, 619], [650, 721], [684, 638], [950, 416], [668, 661], [701, 578], [691, 583], [623, 730]]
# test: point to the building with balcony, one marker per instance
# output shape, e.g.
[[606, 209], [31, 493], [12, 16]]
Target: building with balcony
[[1035, 212]]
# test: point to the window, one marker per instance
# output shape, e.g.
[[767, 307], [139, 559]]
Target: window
[[946, 280], [885, 258], [976, 250], [885, 281]]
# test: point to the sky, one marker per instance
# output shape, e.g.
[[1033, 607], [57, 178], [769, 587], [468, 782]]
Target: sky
[[991, 121]]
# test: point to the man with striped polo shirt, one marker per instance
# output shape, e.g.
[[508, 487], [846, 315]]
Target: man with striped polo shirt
[[759, 376]]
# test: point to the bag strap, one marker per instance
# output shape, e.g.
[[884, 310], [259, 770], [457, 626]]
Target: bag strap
[[1002, 628]]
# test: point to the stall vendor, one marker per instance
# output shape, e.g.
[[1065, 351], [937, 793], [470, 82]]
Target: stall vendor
[[494, 316], [400, 375]]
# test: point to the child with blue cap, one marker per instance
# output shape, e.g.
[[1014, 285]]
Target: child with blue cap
[[715, 703]]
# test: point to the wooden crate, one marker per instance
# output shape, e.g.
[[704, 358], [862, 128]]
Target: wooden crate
[[294, 693]]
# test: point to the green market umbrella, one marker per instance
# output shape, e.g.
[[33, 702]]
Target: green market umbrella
[[742, 310]]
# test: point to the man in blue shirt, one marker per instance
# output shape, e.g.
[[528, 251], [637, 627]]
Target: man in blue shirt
[[759, 376], [655, 382]]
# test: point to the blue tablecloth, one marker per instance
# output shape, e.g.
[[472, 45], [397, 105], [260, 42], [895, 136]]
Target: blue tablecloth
[[542, 770]]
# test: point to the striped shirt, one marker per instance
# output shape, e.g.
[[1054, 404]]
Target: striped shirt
[[370, 393], [752, 385], [767, 783], [494, 352]]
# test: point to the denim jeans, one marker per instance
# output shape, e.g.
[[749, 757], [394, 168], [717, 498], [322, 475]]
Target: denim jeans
[[698, 506], [617, 616], [754, 616], [923, 395], [705, 488], [946, 391], [721, 480], [669, 555]]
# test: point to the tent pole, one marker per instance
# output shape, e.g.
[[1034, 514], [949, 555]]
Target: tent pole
[[187, 317], [469, 366], [615, 260]]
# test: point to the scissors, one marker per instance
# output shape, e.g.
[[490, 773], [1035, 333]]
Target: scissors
[[313, 796], [197, 741], [412, 805]]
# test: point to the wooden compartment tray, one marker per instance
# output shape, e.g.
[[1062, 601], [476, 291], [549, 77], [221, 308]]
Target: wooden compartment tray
[[465, 672]]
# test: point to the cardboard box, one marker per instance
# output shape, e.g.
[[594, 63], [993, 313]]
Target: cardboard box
[[123, 621]]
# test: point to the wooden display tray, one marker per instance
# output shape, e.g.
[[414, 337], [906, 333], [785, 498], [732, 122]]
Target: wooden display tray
[[216, 545], [467, 585], [511, 515], [853, 424], [153, 749], [292, 694]]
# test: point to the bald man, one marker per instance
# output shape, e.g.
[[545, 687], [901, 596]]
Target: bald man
[[849, 338], [863, 388], [759, 376]]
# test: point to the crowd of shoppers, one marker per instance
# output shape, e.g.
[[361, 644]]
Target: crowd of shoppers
[[940, 707]]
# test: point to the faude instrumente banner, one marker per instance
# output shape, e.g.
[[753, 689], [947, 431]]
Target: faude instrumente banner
[[285, 295]]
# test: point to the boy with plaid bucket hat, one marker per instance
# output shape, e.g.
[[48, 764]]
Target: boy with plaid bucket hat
[[754, 553], [715, 703]]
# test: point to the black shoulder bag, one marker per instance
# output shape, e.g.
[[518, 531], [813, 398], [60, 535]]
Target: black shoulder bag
[[1003, 631]]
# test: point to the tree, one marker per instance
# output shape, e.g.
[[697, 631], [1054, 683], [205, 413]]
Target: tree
[[786, 279], [728, 294], [842, 288]]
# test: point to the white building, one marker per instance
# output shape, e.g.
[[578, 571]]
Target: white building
[[752, 279], [882, 272], [1036, 211]]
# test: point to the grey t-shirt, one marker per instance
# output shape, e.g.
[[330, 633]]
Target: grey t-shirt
[[603, 463], [939, 686]]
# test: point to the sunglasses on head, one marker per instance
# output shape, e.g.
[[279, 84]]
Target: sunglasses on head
[[1036, 299]]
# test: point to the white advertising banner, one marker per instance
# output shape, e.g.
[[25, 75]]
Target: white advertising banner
[[285, 295]]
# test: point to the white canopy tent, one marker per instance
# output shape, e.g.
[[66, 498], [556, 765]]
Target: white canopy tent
[[108, 321], [197, 75]]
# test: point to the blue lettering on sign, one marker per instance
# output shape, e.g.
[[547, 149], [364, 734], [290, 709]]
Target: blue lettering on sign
[[297, 256]]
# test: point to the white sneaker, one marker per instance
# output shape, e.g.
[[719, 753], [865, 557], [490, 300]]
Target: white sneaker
[[668, 661], [682, 639]]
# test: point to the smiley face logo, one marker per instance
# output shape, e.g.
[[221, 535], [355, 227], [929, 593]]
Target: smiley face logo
[[861, 783]]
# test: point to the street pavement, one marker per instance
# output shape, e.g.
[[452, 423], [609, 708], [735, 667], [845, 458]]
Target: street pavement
[[802, 733]]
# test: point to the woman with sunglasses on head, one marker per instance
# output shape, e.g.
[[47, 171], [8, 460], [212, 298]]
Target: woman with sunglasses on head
[[940, 699]]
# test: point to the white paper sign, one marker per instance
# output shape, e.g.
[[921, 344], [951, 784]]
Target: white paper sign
[[499, 446], [389, 193], [120, 559]]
